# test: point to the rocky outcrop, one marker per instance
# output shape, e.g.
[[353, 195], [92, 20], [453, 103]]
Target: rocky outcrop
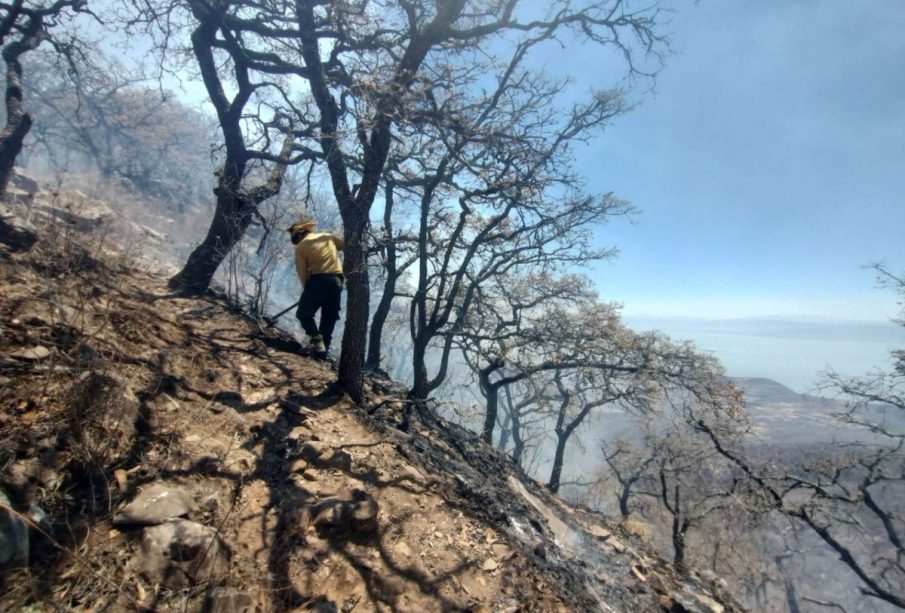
[[74, 208]]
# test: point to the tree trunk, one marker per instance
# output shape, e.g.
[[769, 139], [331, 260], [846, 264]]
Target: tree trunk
[[492, 393], [11, 140], [18, 122], [623, 500], [375, 335], [506, 428], [420, 388], [558, 458], [375, 339], [518, 448], [679, 529], [355, 268], [231, 218]]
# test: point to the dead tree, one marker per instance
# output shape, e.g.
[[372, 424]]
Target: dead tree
[[24, 25]]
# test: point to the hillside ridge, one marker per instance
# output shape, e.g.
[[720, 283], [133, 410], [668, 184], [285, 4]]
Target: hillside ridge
[[118, 395]]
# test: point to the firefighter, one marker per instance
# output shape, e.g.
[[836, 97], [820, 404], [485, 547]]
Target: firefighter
[[321, 274]]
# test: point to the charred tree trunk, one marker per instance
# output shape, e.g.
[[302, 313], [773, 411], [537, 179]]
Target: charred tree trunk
[[375, 338], [420, 384], [558, 460], [492, 394], [232, 217], [679, 530], [506, 427], [518, 449], [18, 122], [234, 213], [235, 205], [355, 334]]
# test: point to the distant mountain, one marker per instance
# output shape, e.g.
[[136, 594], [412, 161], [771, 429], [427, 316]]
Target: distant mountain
[[782, 416]]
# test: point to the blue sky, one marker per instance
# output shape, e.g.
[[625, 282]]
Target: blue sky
[[769, 165]]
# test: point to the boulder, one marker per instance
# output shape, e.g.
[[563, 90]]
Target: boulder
[[180, 553], [17, 234], [13, 534], [155, 505], [22, 181]]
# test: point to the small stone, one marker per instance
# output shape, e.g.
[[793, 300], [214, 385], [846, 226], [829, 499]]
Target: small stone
[[503, 551], [600, 533], [122, 479], [310, 451], [32, 354], [228, 600], [490, 565], [540, 549]]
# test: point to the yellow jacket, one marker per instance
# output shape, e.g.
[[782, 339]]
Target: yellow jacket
[[317, 254]]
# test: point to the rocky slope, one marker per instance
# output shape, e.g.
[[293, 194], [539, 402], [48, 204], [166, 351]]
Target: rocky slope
[[165, 453]]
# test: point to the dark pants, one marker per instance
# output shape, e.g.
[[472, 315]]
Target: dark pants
[[320, 292]]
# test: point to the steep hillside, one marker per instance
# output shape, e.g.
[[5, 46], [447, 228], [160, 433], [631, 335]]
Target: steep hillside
[[164, 453]]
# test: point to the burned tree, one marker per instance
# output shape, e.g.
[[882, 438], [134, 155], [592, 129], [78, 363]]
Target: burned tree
[[24, 25], [362, 72]]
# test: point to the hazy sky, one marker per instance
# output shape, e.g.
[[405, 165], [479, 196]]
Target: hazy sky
[[769, 166]]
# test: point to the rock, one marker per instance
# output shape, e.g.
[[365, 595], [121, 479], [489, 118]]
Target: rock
[[86, 355], [75, 208], [155, 505], [403, 550], [359, 513], [228, 600], [310, 451], [13, 535], [340, 459], [22, 181], [122, 479], [179, 553], [600, 533], [151, 233], [502, 551], [637, 528], [15, 232], [31, 354], [490, 565]]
